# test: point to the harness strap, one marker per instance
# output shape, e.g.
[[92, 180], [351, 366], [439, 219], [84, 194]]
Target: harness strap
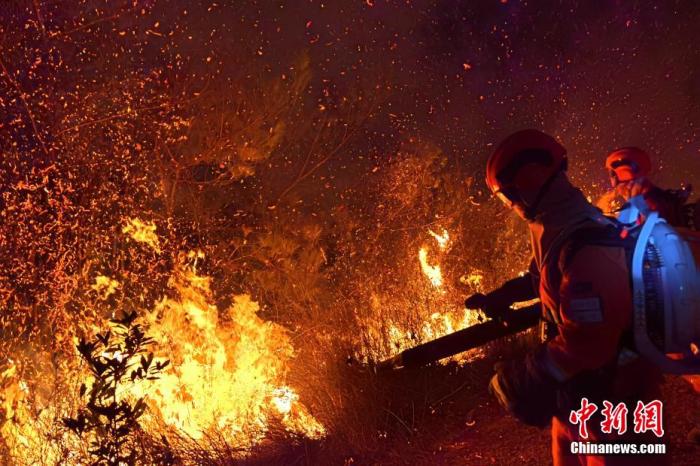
[[611, 235], [568, 242]]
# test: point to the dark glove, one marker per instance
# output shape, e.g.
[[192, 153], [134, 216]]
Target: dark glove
[[525, 390], [476, 301], [491, 304]]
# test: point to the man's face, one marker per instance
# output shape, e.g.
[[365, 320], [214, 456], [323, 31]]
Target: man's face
[[517, 200], [623, 171], [629, 189]]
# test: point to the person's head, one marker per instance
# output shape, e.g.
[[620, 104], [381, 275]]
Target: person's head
[[522, 169], [627, 164]]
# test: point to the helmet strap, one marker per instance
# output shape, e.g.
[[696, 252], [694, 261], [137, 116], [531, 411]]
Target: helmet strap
[[613, 177], [530, 211]]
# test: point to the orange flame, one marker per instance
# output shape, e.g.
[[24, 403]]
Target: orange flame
[[228, 369], [142, 232], [227, 377], [443, 239], [31, 433], [438, 324], [433, 272], [105, 286]]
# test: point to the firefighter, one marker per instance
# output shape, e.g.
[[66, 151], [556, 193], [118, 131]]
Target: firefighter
[[585, 294], [629, 169]]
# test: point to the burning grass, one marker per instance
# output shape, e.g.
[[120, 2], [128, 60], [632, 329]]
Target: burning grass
[[271, 329], [228, 372], [230, 392], [311, 259], [225, 383]]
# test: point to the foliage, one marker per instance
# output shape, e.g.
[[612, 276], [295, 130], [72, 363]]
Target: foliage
[[117, 359]]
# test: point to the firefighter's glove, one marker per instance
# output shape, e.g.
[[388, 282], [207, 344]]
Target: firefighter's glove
[[491, 304], [525, 390], [475, 301]]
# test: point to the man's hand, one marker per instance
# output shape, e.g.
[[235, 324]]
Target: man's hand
[[523, 390], [497, 303], [492, 305]]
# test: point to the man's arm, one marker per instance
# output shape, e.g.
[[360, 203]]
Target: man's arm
[[499, 300], [595, 308]]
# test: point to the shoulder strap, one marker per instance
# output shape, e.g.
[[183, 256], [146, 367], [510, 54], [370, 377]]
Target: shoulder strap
[[587, 234], [611, 235]]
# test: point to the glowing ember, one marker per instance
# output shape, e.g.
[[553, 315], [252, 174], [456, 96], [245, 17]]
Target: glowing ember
[[142, 232], [433, 272]]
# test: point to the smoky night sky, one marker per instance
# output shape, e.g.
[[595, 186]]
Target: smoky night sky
[[463, 74], [458, 74]]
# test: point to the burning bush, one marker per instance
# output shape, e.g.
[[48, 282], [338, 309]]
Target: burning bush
[[116, 360], [228, 372]]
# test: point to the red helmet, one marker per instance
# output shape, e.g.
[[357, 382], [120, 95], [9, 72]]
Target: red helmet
[[627, 163], [525, 161]]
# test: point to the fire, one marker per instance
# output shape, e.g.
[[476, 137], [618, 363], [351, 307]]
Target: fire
[[105, 286], [295, 417], [228, 368], [443, 239], [437, 325], [433, 272], [442, 316], [474, 280], [30, 431], [283, 399], [226, 378], [142, 232]]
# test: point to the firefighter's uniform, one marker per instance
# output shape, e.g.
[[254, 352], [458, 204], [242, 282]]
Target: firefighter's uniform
[[594, 309], [586, 300], [629, 168]]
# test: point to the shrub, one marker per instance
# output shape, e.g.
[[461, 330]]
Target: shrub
[[117, 360]]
